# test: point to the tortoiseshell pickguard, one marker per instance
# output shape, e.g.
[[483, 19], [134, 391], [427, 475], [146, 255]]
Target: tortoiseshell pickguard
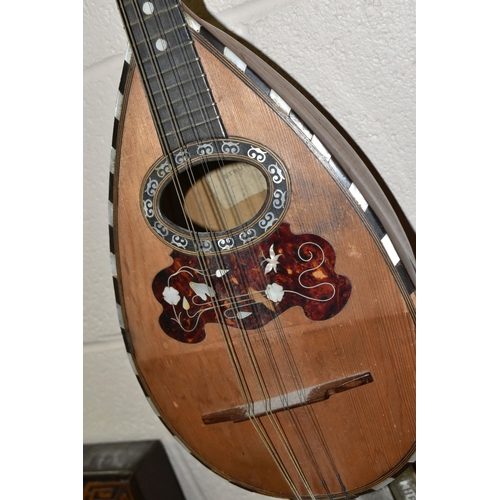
[[249, 288]]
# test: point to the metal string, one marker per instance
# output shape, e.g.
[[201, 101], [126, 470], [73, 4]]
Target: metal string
[[240, 375], [261, 384], [258, 376], [247, 341]]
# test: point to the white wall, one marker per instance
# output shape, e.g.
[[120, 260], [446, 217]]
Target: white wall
[[356, 57]]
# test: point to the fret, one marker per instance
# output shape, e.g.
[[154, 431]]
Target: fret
[[199, 124], [172, 71], [181, 114], [167, 9], [177, 55], [170, 49], [185, 82], [179, 66], [187, 113], [189, 92], [186, 78], [175, 6], [200, 94], [161, 66], [156, 14], [187, 120], [174, 80], [161, 91], [179, 52], [160, 35]]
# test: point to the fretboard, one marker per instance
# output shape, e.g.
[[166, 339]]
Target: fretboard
[[181, 103]]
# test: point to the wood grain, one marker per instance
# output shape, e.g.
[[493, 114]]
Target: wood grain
[[369, 431]]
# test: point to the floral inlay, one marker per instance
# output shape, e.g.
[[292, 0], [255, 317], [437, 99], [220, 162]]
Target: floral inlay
[[272, 261], [171, 295], [274, 292], [252, 287]]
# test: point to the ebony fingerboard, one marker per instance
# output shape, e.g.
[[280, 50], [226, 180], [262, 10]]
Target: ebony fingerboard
[[181, 103]]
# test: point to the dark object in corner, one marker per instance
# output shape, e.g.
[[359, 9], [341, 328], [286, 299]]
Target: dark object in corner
[[404, 486], [136, 470]]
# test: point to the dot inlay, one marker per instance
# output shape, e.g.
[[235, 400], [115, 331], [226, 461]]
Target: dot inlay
[[148, 8], [161, 44]]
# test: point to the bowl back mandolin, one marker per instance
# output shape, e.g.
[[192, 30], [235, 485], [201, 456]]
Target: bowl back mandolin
[[265, 285]]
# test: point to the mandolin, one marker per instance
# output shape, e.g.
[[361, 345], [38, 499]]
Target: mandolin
[[265, 287]]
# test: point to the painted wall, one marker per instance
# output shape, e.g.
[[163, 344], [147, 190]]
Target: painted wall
[[356, 57]]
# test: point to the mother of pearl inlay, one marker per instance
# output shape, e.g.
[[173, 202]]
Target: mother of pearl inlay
[[148, 8], [161, 44]]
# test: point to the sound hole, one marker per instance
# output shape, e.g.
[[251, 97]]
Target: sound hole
[[214, 196]]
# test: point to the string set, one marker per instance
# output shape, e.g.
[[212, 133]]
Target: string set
[[166, 11]]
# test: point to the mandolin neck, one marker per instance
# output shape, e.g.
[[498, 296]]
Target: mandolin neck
[[179, 97]]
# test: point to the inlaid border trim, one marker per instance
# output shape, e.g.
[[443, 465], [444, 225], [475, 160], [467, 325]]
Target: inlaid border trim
[[112, 164]]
